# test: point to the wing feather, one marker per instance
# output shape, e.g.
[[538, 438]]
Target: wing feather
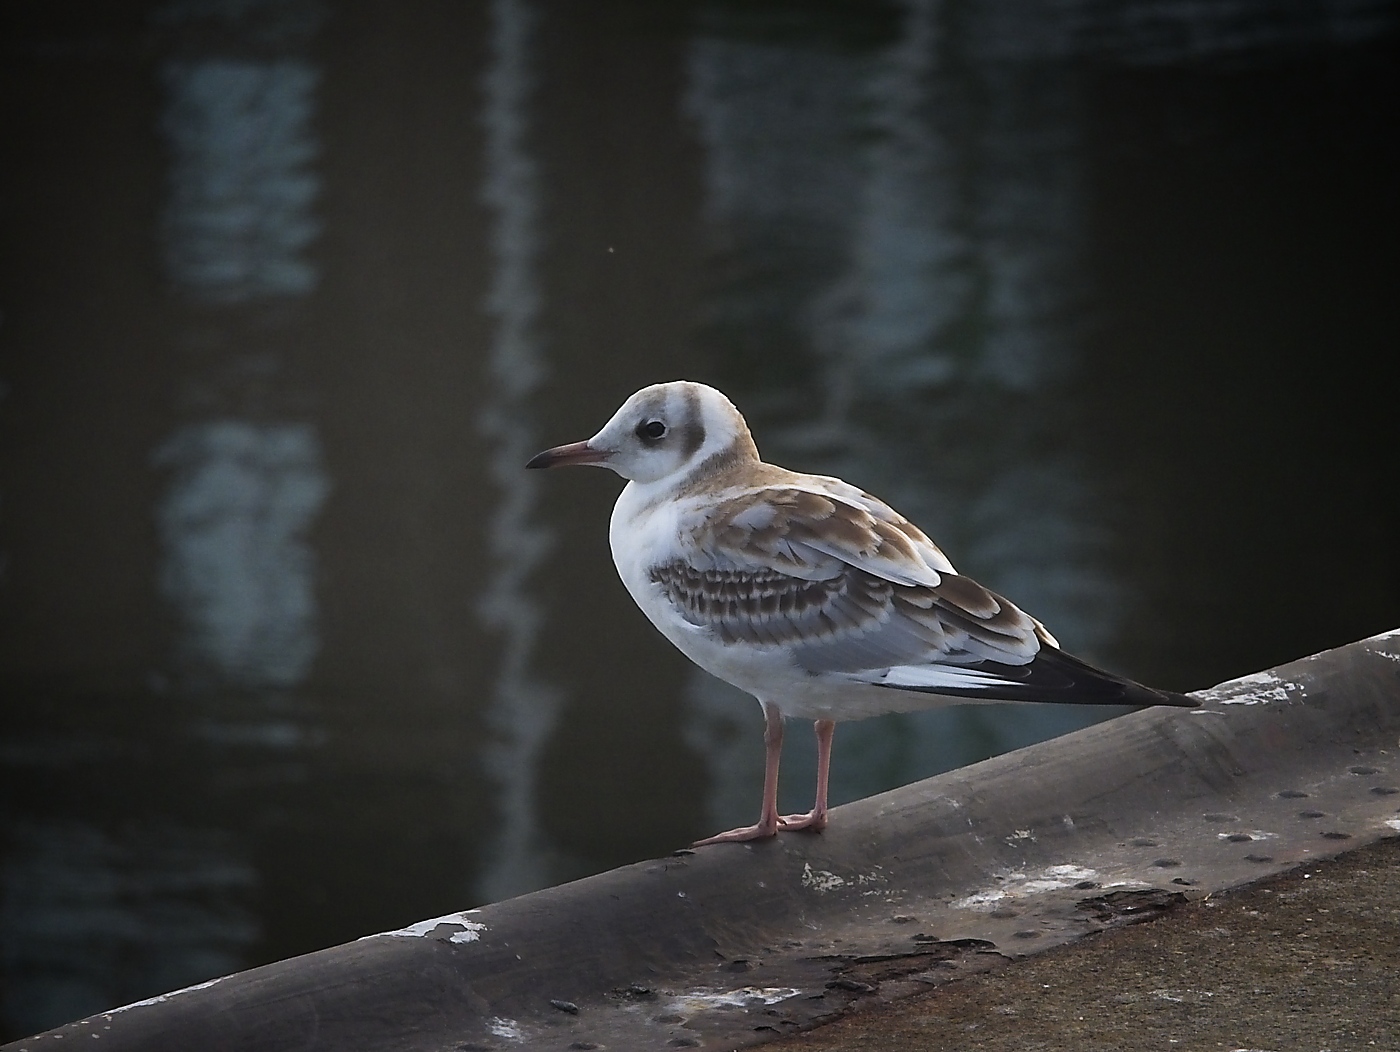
[[856, 590], [849, 583]]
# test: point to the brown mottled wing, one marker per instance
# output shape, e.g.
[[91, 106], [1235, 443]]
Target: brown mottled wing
[[850, 590], [855, 590]]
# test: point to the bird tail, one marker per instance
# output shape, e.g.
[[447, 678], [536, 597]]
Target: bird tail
[[1051, 676]]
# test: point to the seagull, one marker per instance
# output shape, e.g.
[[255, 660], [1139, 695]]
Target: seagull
[[818, 599]]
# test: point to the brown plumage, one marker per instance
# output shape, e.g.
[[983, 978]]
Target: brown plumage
[[814, 596]]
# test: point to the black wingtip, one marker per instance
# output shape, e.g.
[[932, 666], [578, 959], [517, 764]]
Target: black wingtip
[[1059, 678], [1134, 693]]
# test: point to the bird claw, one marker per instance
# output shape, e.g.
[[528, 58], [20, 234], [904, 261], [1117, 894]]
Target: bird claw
[[759, 831], [811, 821]]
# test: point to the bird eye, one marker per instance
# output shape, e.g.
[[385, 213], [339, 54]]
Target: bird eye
[[651, 430]]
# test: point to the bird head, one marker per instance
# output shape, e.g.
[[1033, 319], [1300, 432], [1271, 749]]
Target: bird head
[[663, 431]]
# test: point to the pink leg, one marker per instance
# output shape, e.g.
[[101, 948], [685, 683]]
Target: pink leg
[[815, 820], [767, 824]]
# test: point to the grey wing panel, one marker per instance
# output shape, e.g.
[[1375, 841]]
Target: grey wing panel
[[896, 639], [957, 623]]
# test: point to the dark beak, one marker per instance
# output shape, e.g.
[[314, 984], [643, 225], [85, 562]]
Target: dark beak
[[573, 453]]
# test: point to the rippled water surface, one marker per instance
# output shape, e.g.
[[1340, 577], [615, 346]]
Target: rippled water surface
[[291, 649]]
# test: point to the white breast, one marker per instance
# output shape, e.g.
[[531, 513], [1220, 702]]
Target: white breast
[[646, 532]]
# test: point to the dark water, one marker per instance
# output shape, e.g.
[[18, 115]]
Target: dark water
[[1102, 294]]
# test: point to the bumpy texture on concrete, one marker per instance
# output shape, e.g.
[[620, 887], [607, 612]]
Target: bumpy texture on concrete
[[735, 944], [1305, 960]]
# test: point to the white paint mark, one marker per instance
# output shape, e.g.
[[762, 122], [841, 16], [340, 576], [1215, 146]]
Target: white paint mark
[[163, 997], [470, 930], [980, 900], [821, 879], [506, 1028], [1255, 689], [1019, 885], [1072, 872], [1394, 823], [702, 1000], [1058, 877]]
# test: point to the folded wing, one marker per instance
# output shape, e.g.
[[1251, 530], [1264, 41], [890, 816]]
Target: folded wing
[[855, 590]]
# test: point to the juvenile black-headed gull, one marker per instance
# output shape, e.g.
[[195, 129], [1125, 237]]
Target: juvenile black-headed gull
[[815, 597]]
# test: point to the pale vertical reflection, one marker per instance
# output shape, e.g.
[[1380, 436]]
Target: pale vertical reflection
[[523, 706], [158, 905], [931, 345], [239, 213], [780, 179], [238, 565], [243, 494], [961, 293]]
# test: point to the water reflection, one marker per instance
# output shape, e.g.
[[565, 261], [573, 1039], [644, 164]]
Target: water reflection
[[96, 917], [302, 652], [238, 566], [245, 481], [239, 219], [523, 706], [127, 876], [933, 352]]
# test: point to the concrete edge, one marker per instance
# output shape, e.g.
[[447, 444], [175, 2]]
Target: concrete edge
[[732, 944]]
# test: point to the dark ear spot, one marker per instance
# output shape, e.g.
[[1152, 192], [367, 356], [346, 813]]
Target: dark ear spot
[[693, 429]]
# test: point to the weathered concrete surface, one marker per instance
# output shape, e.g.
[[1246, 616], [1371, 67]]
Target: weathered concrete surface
[[1308, 960], [736, 944]]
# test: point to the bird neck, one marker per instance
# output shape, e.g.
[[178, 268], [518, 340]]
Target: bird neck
[[714, 471]]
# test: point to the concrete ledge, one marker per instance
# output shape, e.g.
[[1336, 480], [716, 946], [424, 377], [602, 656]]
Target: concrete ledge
[[1302, 960], [727, 946]]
